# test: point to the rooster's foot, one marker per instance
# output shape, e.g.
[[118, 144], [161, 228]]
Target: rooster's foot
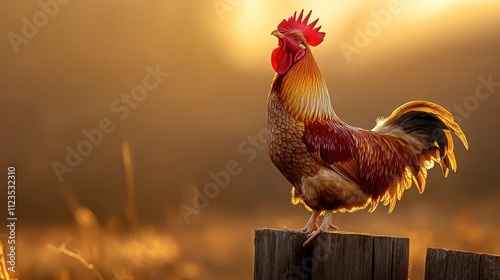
[[326, 226], [333, 228], [311, 226]]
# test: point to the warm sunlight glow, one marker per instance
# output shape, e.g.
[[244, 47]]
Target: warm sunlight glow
[[431, 8], [251, 23], [247, 24]]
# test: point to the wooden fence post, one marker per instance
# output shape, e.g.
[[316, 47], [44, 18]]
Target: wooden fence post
[[280, 255], [457, 265]]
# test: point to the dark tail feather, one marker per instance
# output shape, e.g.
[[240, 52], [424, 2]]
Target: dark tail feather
[[432, 125]]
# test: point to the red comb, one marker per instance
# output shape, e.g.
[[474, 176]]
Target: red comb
[[313, 36]]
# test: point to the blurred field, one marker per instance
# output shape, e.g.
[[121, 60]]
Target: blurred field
[[206, 115], [222, 247]]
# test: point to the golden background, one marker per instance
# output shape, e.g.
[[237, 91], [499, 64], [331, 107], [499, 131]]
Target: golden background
[[209, 112]]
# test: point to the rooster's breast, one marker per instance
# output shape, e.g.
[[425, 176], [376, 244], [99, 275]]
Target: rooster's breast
[[285, 146], [317, 185]]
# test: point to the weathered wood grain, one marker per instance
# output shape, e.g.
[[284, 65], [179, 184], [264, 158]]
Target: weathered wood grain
[[452, 264], [280, 255]]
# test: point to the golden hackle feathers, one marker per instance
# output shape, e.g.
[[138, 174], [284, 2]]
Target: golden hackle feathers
[[304, 92]]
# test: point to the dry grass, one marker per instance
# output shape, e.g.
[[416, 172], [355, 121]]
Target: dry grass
[[105, 253]]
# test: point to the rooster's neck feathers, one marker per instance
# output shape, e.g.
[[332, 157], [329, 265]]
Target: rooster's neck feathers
[[303, 91]]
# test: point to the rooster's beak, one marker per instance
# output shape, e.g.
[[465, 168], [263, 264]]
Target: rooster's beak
[[277, 34]]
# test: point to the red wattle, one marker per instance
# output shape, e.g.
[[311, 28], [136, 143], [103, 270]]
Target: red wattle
[[281, 60]]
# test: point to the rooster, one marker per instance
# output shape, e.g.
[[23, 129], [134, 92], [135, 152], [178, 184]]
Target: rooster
[[335, 167]]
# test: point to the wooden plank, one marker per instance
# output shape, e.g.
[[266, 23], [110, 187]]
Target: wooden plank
[[280, 255], [400, 258], [489, 267], [342, 256], [460, 265], [435, 264], [391, 259], [382, 266]]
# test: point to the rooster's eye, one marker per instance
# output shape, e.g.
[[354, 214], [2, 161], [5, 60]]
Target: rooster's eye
[[295, 39]]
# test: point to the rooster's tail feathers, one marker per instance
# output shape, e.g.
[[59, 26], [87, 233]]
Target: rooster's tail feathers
[[427, 127]]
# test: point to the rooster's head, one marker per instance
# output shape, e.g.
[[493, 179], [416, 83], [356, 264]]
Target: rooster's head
[[294, 37]]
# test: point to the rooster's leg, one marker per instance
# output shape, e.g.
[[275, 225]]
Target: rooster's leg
[[326, 226], [311, 225]]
